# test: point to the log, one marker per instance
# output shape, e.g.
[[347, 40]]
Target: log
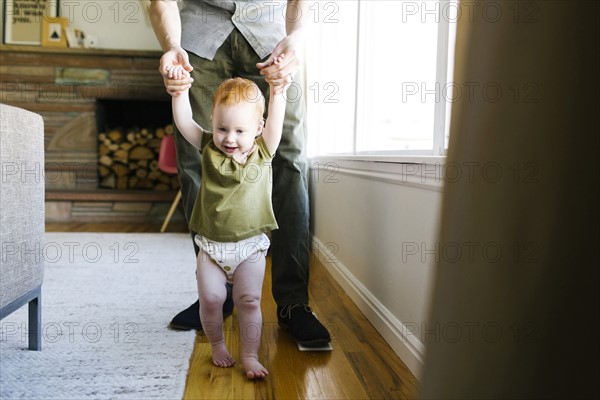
[[104, 171], [120, 170], [115, 135], [154, 144], [105, 160], [164, 178], [133, 182], [103, 150], [108, 182], [174, 182], [141, 173], [122, 182], [154, 175], [145, 184], [141, 153], [121, 156]]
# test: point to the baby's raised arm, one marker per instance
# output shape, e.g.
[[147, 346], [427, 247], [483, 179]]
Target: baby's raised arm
[[183, 117], [275, 115]]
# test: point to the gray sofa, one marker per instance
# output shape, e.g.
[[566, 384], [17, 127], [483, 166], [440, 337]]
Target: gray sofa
[[22, 215]]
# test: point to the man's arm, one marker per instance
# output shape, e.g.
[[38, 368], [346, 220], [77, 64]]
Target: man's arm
[[295, 16], [164, 16], [292, 46]]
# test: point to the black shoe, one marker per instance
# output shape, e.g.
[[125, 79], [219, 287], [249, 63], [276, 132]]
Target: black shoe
[[302, 324], [190, 317]]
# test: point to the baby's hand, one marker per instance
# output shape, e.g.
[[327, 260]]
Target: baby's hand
[[277, 87], [177, 72], [277, 59]]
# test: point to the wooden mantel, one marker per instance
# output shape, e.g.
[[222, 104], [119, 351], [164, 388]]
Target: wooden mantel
[[77, 76], [80, 51]]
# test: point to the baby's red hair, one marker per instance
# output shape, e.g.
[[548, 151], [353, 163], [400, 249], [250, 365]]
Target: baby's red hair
[[235, 90]]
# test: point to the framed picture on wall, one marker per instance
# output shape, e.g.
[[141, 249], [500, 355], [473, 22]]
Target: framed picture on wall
[[24, 20], [54, 32]]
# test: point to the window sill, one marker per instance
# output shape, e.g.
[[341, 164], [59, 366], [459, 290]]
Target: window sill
[[383, 158], [423, 172]]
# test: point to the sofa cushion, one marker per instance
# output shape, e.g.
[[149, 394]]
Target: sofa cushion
[[21, 202]]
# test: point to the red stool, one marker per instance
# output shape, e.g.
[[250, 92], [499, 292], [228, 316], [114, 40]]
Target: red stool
[[167, 156]]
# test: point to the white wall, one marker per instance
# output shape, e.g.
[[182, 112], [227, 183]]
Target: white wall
[[118, 24], [122, 24], [375, 225]]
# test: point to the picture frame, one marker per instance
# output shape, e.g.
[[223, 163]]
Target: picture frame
[[23, 20], [75, 37], [54, 32]]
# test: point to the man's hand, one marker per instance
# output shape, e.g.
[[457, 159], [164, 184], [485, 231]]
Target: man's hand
[[172, 66], [277, 61], [280, 74]]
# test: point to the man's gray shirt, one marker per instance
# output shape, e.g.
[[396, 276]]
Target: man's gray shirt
[[206, 24]]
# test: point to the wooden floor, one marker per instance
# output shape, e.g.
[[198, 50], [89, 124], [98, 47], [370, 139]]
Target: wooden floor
[[112, 227], [361, 365]]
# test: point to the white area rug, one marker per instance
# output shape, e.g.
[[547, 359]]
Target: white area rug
[[106, 302]]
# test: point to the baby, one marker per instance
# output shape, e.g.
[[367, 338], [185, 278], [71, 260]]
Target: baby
[[233, 211]]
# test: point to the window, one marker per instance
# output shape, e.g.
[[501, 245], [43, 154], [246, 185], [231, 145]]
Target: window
[[377, 77]]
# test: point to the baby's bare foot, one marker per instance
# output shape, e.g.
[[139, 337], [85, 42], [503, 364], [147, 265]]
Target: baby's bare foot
[[254, 369], [221, 357]]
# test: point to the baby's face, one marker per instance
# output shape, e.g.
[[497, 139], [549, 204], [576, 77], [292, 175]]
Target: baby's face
[[235, 127]]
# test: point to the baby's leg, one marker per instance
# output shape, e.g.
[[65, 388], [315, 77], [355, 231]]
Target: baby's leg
[[212, 293], [247, 290]]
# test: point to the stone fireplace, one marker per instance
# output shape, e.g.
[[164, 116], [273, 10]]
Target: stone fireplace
[[82, 95]]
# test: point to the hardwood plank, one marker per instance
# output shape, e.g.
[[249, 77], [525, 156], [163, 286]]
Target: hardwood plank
[[69, 51], [115, 227], [51, 107], [361, 366], [9, 73], [382, 373], [112, 195], [63, 59]]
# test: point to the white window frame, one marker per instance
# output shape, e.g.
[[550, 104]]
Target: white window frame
[[441, 110]]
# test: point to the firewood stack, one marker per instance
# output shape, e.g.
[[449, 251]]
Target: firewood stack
[[128, 159]]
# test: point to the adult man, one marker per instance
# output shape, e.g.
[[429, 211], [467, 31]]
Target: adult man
[[224, 39]]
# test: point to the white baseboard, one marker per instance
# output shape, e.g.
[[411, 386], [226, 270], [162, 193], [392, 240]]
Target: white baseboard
[[410, 350]]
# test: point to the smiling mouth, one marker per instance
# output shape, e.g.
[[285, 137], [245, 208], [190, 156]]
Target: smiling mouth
[[229, 149]]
